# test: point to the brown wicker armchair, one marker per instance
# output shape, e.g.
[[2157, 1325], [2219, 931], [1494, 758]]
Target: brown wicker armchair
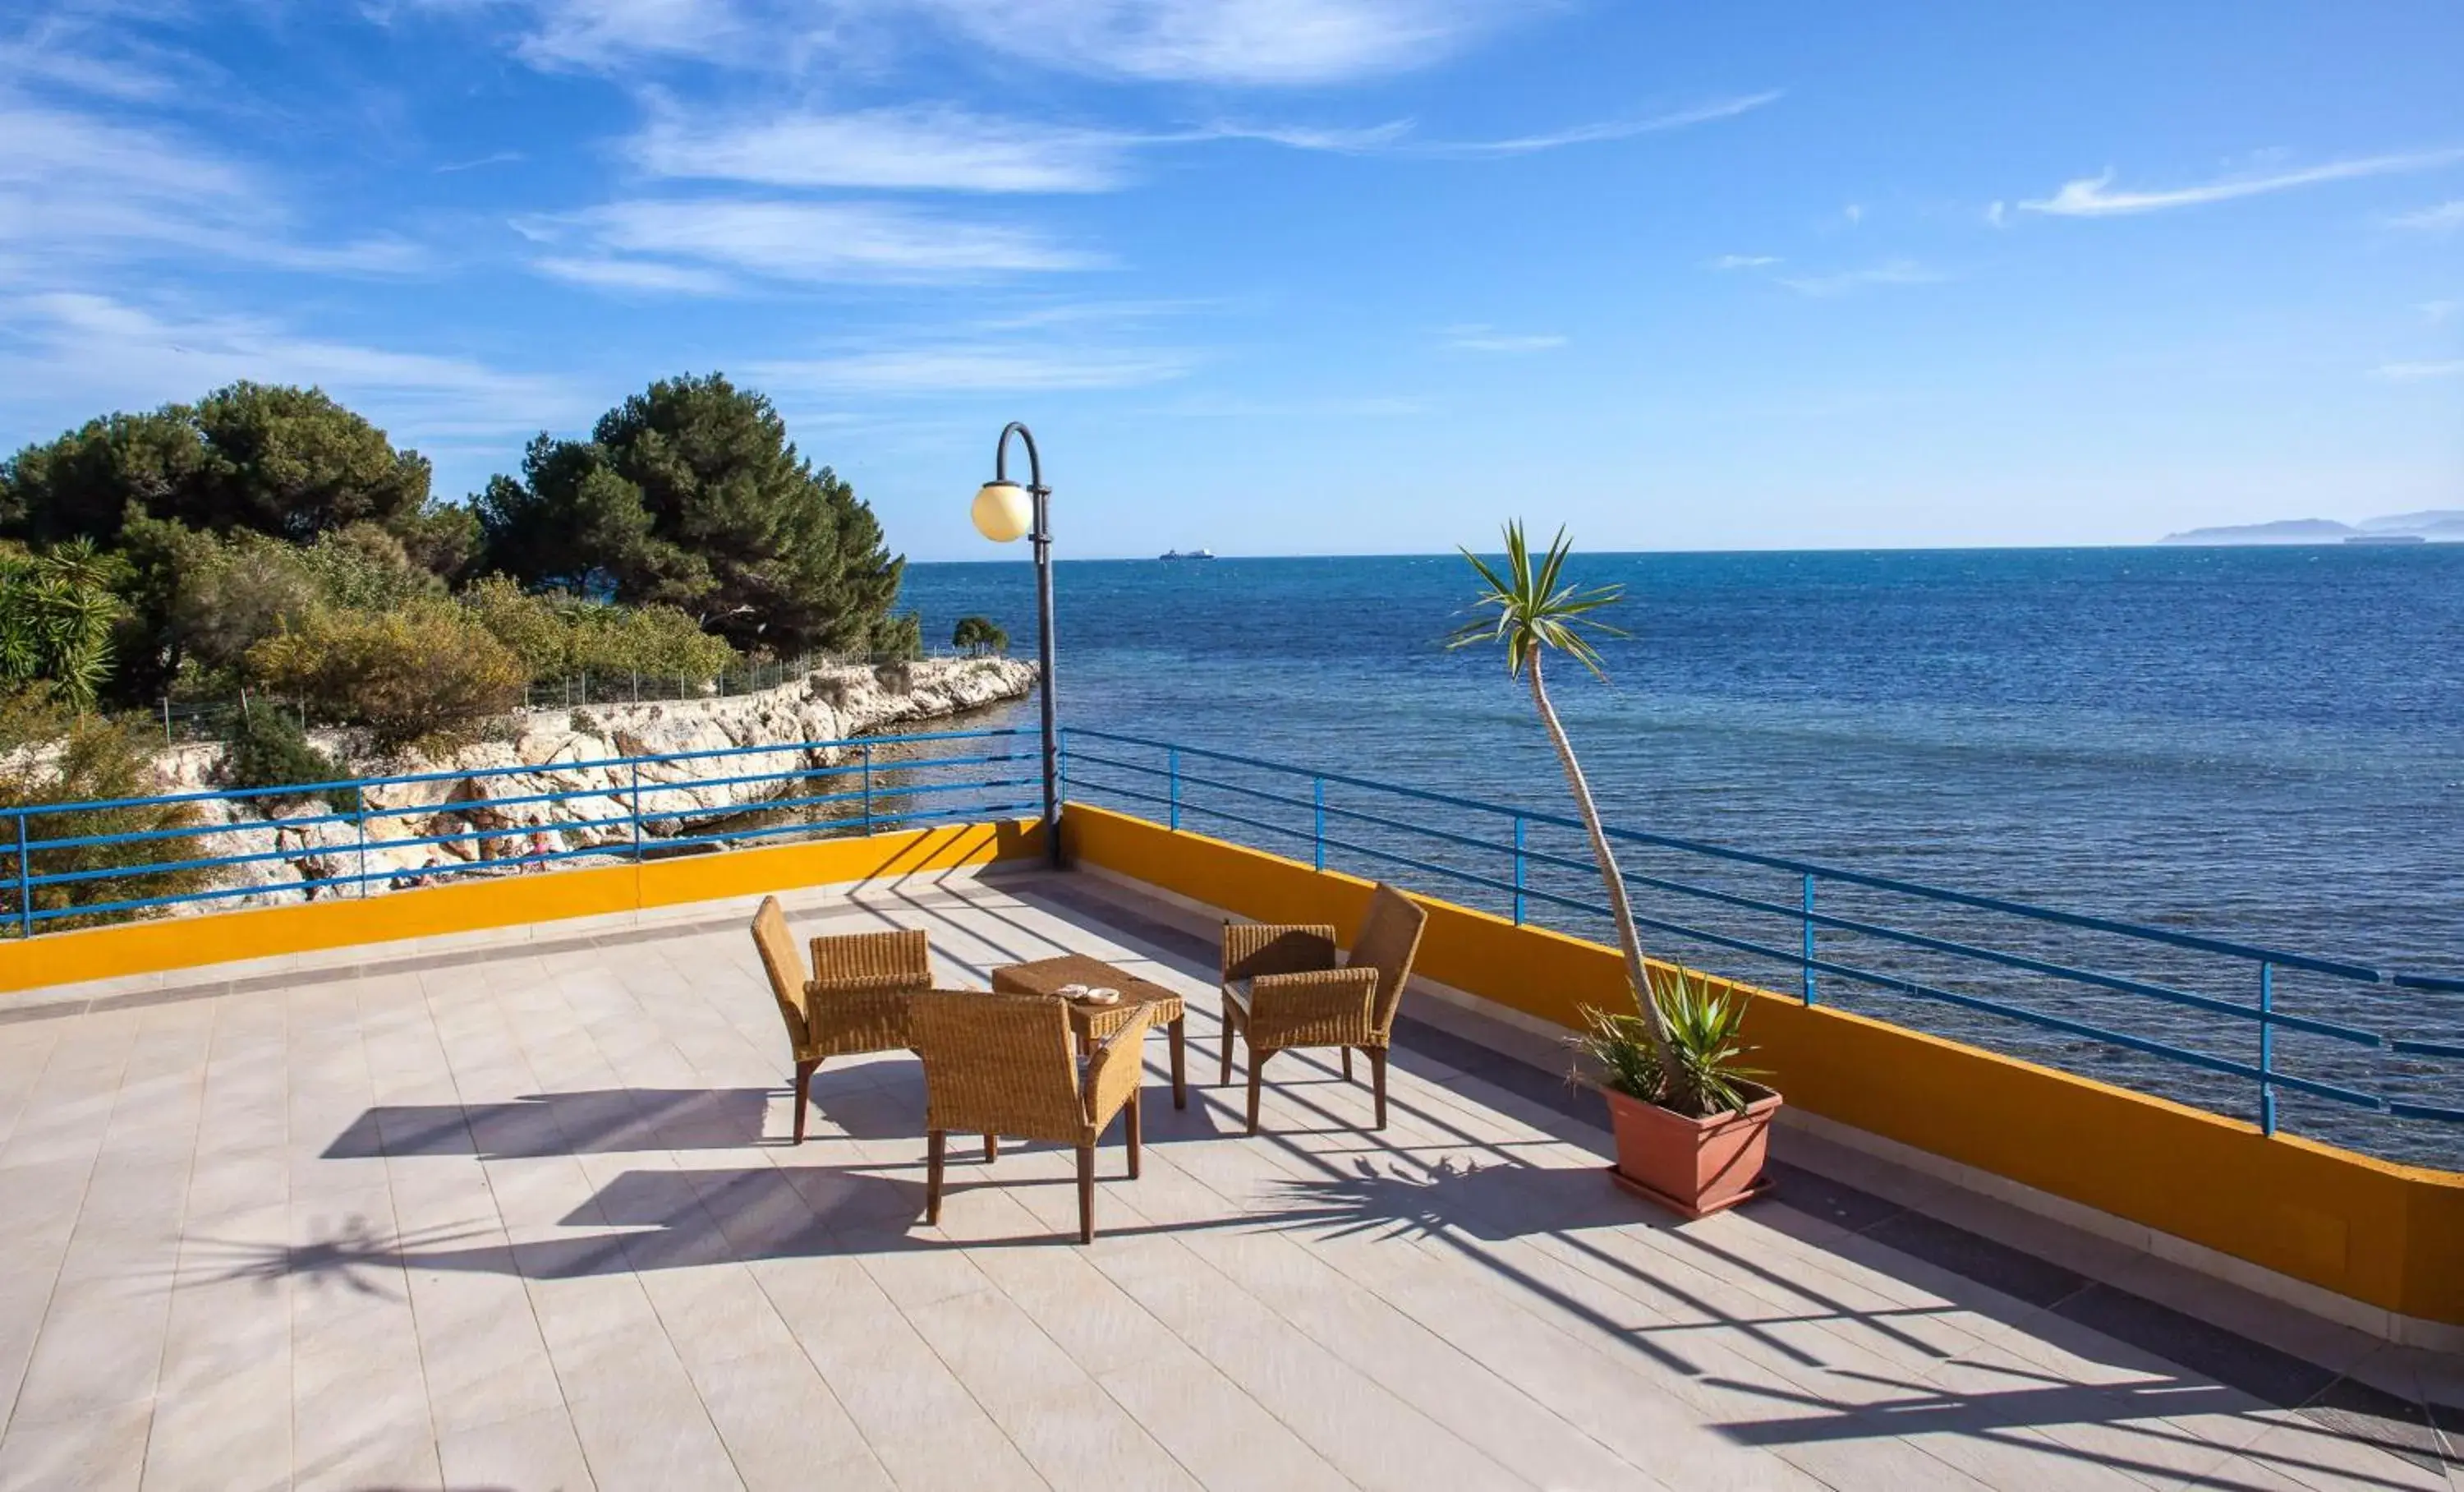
[[1006, 1064], [854, 1001], [1282, 987]]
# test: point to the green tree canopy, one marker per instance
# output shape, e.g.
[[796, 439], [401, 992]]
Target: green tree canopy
[[979, 635], [689, 494], [285, 462]]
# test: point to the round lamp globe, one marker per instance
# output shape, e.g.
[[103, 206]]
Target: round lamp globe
[[1002, 511]]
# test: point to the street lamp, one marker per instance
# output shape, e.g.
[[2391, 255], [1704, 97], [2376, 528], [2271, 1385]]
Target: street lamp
[[1005, 511]]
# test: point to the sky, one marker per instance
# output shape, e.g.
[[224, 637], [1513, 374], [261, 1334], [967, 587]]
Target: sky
[[1296, 276]]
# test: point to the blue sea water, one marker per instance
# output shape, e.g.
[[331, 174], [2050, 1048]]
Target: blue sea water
[[2259, 743]]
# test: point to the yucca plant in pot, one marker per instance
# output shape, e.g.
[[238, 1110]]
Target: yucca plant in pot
[[1691, 1124], [1692, 1133]]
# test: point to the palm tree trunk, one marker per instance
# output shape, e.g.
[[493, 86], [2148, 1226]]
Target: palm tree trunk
[[1619, 908]]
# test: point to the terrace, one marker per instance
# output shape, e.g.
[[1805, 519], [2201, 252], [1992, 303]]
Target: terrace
[[487, 1185]]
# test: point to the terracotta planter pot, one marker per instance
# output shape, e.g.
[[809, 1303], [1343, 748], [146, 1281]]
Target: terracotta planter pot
[[1692, 1166]]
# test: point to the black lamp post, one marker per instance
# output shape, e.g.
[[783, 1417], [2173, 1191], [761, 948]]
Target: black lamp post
[[1004, 511]]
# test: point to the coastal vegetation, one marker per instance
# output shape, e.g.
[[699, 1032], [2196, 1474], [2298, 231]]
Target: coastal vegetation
[[267, 540], [978, 635]]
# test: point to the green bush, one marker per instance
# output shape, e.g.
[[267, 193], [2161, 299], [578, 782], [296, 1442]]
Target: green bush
[[979, 635], [57, 615], [426, 677], [52, 759], [266, 749], [558, 636]]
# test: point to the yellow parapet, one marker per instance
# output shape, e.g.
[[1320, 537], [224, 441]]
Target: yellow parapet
[[477, 903], [2387, 1235]]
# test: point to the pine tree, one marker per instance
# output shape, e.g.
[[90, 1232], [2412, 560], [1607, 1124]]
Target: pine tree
[[690, 493]]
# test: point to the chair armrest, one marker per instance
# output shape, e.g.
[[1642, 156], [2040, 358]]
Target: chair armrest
[[1113, 1072], [1254, 948], [1328, 1007]]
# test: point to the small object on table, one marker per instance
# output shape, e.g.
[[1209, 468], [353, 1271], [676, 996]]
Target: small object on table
[[1092, 1021]]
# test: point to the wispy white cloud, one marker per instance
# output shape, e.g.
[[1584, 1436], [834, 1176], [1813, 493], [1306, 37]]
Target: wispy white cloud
[[944, 149], [1480, 337], [919, 146], [76, 188], [1892, 272], [1240, 42], [2094, 196], [650, 275], [1592, 134], [109, 351], [2418, 373], [1728, 263], [1228, 41], [989, 366], [2437, 312], [660, 243], [1997, 214], [2445, 217]]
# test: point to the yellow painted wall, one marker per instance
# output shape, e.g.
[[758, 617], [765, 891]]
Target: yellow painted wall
[[2387, 1234], [502, 901]]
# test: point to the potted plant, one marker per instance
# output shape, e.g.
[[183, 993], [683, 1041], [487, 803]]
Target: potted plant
[[1692, 1136], [1679, 1033]]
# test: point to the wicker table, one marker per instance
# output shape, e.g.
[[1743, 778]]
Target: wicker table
[[1094, 1022]]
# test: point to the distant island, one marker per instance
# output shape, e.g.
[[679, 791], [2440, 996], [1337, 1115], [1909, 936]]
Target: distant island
[[2436, 525], [1186, 554]]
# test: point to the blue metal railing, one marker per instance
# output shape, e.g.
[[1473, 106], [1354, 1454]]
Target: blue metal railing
[[855, 786], [1217, 790]]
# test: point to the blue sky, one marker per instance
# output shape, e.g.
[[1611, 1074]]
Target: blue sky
[[1296, 275]]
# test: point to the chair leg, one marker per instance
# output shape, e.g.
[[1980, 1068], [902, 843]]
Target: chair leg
[[937, 1147], [1229, 1031], [1134, 1136], [1347, 1064], [803, 1095], [1377, 1078], [1257, 1064], [992, 1149], [1086, 1194]]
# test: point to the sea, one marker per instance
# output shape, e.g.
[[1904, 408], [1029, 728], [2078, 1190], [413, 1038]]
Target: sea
[[2259, 744]]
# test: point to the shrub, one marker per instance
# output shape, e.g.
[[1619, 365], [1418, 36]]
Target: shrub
[[899, 638], [582, 722], [426, 677], [267, 749], [979, 635], [57, 615], [82, 761], [558, 636]]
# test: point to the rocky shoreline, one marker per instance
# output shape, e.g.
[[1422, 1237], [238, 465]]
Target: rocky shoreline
[[478, 788]]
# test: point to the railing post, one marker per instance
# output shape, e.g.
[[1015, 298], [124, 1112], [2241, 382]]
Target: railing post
[[1317, 837], [2266, 1048], [1172, 779], [360, 816], [868, 786], [637, 810], [25, 882], [1519, 873], [1808, 987]]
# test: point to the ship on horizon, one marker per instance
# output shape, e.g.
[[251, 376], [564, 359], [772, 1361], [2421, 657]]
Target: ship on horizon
[[1189, 554]]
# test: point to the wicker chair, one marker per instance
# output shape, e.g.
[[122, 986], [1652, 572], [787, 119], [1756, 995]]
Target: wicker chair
[[856, 999], [1005, 1064], [1284, 987]]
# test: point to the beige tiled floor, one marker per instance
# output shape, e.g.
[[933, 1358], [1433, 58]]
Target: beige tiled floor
[[521, 1219]]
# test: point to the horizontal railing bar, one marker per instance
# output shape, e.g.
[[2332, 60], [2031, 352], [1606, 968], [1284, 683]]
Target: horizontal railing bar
[[2415, 1048], [2405, 1108], [2191, 941], [318, 789]]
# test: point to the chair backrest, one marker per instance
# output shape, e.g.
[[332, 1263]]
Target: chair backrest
[[1389, 938], [998, 1064], [898, 959], [780, 962]]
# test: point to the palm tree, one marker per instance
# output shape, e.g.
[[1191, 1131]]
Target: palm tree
[[1534, 613]]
